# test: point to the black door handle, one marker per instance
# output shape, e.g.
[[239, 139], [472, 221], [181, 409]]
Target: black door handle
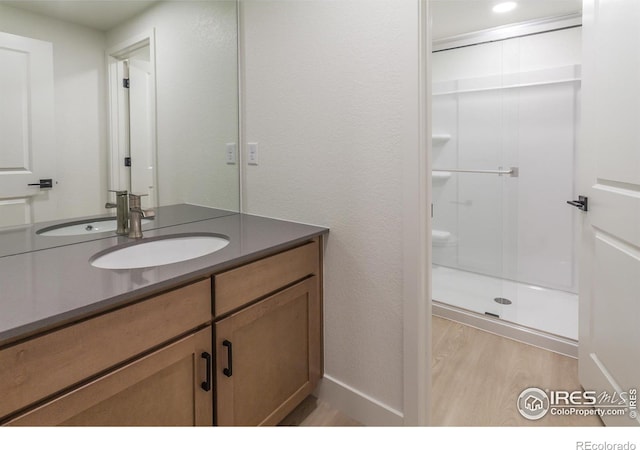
[[228, 371], [44, 183], [206, 385], [582, 203]]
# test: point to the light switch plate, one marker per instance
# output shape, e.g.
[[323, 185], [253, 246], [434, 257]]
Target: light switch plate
[[252, 153], [231, 153]]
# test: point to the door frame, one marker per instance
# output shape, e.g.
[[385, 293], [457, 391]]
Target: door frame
[[416, 271], [118, 135]]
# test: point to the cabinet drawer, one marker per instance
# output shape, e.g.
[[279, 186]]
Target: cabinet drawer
[[39, 367], [239, 286], [159, 389]]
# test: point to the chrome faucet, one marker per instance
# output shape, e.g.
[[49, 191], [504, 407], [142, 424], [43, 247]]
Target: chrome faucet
[[122, 212], [136, 213]]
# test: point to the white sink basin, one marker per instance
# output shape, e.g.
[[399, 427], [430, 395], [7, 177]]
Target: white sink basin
[[83, 228], [158, 252]]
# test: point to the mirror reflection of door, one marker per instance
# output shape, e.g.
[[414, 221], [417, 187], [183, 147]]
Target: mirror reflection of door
[[133, 157], [26, 130], [141, 116]]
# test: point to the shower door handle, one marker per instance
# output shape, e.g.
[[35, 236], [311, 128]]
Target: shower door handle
[[582, 203]]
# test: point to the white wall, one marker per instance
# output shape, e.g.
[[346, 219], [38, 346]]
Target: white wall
[[197, 101], [79, 108], [331, 96], [519, 228]]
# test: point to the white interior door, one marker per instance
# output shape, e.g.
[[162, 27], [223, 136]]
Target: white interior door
[[133, 118], [609, 174], [141, 117], [26, 129]]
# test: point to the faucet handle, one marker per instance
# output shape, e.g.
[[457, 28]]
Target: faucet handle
[[148, 213], [117, 192], [135, 205]]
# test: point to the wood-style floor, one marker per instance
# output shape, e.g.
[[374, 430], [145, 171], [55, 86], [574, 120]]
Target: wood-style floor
[[477, 378], [316, 413]]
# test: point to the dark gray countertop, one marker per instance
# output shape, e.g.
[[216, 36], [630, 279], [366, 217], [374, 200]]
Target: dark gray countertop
[[44, 289]]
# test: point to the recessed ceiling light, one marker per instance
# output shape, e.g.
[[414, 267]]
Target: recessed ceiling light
[[504, 7]]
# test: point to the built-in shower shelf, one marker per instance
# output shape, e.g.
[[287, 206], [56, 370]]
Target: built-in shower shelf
[[440, 138], [522, 79], [441, 238], [440, 175]]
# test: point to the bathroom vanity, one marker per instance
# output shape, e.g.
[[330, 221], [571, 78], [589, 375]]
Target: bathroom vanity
[[230, 338]]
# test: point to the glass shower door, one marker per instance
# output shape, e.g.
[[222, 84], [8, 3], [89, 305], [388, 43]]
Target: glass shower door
[[505, 245], [503, 155], [474, 179]]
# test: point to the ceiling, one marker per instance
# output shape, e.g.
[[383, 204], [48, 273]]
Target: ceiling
[[454, 17], [450, 17], [98, 14]]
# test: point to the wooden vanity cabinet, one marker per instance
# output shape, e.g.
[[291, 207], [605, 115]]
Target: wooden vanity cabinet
[[166, 360], [142, 364], [269, 351]]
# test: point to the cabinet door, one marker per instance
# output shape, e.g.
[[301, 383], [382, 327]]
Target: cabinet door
[[163, 388], [268, 357]]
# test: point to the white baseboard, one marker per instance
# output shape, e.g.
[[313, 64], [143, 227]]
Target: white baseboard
[[357, 405]]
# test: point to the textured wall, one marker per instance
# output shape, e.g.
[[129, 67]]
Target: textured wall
[[331, 96]]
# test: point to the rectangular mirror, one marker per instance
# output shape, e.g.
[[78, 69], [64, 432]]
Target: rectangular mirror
[[116, 95]]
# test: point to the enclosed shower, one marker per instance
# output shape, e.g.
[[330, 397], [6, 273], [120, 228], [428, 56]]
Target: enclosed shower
[[505, 130]]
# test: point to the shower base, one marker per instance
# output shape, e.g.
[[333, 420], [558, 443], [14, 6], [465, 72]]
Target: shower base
[[543, 317]]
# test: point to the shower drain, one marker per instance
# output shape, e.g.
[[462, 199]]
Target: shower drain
[[502, 301]]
